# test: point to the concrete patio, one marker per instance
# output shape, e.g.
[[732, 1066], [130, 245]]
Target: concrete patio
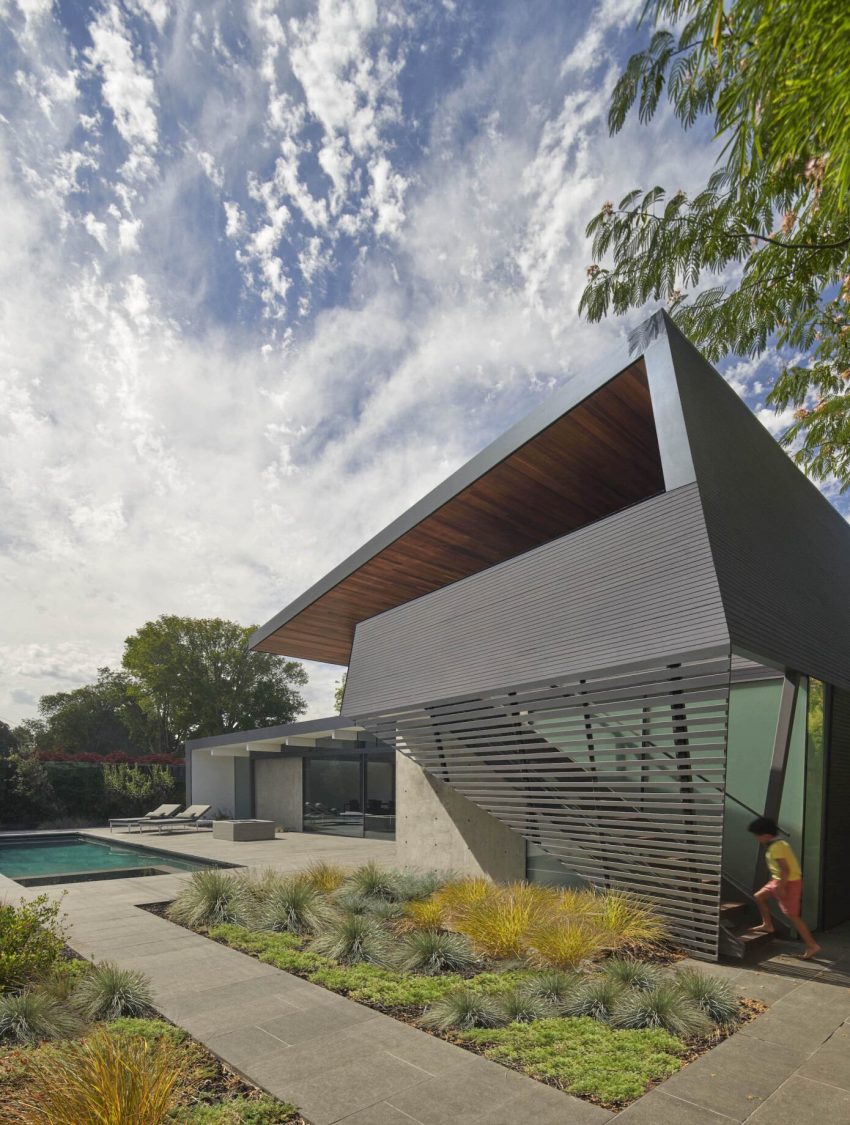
[[340, 1061]]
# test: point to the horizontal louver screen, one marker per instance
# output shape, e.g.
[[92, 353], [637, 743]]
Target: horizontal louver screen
[[619, 776]]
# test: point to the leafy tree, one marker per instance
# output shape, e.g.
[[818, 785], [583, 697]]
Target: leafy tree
[[195, 677], [339, 692], [772, 76], [8, 739], [135, 789], [99, 718]]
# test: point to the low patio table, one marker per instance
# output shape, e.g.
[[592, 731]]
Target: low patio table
[[243, 830]]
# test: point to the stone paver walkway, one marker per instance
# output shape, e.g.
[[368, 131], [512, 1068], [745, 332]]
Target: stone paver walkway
[[342, 1062]]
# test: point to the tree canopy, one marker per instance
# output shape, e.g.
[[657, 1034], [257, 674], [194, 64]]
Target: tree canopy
[[182, 677], [195, 677], [773, 77]]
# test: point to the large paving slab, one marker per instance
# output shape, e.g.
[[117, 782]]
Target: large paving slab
[[342, 1062]]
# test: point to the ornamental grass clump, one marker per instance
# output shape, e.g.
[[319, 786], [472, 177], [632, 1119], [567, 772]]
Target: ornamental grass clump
[[714, 997], [325, 877], [373, 882], [100, 1081], [562, 945], [210, 898], [33, 1015], [596, 997], [499, 924], [351, 939], [626, 920], [519, 1005], [553, 986], [432, 951], [289, 907], [632, 973], [663, 1006], [107, 992], [457, 897], [425, 915], [461, 1009], [413, 886]]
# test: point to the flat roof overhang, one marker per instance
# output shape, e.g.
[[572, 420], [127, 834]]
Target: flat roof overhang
[[589, 451], [240, 743]]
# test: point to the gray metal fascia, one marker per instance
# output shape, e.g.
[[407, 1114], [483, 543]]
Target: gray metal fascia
[[578, 388], [677, 464], [269, 733]]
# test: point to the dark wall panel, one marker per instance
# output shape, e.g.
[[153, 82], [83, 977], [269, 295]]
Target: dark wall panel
[[782, 551], [635, 586]]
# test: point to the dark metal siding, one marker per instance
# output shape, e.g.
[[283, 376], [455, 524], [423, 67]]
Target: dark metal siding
[[781, 550], [635, 586], [619, 775]]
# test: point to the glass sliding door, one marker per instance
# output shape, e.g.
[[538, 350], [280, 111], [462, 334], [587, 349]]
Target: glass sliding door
[[380, 797], [333, 796]]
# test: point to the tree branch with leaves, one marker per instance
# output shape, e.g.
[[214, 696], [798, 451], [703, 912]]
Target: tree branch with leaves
[[774, 77]]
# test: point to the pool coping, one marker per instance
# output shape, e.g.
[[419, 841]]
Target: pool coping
[[165, 867]]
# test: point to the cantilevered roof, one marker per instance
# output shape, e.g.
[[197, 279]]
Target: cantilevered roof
[[589, 451]]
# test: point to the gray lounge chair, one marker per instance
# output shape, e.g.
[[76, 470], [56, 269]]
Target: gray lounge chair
[[193, 815], [160, 813]]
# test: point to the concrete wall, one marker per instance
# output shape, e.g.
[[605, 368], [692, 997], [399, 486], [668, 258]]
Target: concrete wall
[[213, 781], [278, 791], [436, 827]]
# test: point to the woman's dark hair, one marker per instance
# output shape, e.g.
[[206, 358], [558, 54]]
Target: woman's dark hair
[[763, 826]]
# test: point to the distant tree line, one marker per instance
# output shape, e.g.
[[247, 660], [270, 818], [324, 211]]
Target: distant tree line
[[180, 678]]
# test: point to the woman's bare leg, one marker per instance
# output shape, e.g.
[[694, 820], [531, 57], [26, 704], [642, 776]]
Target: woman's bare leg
[[805, 933]]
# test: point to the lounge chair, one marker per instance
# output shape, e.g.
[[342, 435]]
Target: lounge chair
[[160, 813], [193, 815]]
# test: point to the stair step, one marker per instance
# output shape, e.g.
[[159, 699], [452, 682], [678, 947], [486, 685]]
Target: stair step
[[751, 940], [731, 907]]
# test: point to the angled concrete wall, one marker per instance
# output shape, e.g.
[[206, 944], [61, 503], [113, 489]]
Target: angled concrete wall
[[437, 827]]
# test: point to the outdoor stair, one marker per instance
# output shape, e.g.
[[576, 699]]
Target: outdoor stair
[[738, 914]]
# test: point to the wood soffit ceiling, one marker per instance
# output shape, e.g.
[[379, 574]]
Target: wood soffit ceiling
[[598, 458]]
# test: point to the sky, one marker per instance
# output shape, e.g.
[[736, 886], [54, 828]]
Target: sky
[[271, 271]]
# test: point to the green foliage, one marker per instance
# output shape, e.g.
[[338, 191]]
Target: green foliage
[[107, 992], [195, 677], [33, 1015], [418, 886], [339, 692], [716, 998], [372, 881], [288, 906], [32, 938], [663, 1006], [597, 997], [553, 986], [98, 718], [773, 78], [522, 1005], [584, 1057], [351, 938], [264, 1110], [136, 789], [210, 897], [325, 877], [430, 952], [631, 972], [151, 1030], [31, 797], [461, 1009]]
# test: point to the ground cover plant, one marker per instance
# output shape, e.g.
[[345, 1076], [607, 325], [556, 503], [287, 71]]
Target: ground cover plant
[[576, 988], [79, 1044]]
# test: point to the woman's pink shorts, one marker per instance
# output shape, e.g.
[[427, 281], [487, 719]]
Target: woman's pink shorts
[[789, 896]]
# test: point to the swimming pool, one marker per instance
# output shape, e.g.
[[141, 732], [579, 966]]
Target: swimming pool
[[35, 861]]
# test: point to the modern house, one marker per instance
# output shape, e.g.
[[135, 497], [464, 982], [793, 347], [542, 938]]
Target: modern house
[[593, 654]]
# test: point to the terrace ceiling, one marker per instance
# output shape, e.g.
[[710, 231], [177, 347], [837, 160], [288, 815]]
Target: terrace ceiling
[[525, 489]]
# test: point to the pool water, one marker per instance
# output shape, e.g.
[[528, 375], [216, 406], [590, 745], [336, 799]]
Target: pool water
[[33, 861]]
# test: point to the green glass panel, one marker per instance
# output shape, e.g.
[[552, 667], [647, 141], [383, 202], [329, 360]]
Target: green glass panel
[[792, 809], [814, 798], [753, 711]]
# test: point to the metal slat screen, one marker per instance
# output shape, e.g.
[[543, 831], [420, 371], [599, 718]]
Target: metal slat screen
[[618, 775]]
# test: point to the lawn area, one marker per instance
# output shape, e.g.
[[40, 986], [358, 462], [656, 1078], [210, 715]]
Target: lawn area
[[79, 1043], [573, 988]]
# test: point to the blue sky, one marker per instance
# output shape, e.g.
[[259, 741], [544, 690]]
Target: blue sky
[[270, 272]]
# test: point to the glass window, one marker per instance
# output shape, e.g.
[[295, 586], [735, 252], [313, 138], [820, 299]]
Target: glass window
[[333, 800], [380, 797], [813, 831]]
